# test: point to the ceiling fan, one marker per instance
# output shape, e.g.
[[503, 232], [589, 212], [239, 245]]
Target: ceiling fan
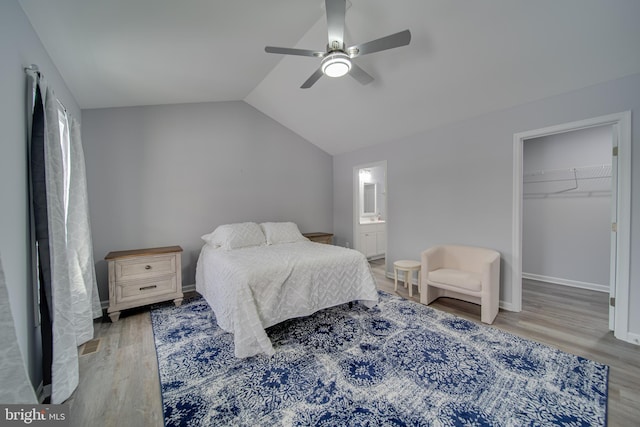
[[336, 61]]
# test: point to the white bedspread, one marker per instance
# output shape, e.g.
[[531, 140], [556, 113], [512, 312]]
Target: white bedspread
[[250, 289]]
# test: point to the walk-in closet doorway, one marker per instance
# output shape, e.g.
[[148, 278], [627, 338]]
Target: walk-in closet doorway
[[565, 179]]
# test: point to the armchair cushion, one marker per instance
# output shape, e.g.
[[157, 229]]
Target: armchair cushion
[[458, 278]]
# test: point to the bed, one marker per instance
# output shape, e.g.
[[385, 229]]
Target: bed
[[257, 275]]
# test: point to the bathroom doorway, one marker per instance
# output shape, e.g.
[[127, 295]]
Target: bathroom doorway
[[370, 215]]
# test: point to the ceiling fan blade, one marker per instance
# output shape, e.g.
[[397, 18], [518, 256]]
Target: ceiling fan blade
[[292, 51], [360, 75], [389, 42], [311, 80], [336, 10]]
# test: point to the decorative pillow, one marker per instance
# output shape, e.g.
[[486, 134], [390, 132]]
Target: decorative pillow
[[234, 236], [282, 232]]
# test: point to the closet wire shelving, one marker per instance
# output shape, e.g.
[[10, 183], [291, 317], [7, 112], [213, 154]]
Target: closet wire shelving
[[582, 181]]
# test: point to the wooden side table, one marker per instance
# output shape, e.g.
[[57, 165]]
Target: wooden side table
[[408, 267], [144, 276], [319, 237]]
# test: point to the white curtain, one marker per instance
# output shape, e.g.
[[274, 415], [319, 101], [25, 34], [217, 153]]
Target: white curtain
[[84, 288], [74, 290], [16, 387]]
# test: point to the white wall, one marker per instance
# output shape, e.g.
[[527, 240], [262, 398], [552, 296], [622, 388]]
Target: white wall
[[566, 235], [454, 184], [19, 47], [165, 175]]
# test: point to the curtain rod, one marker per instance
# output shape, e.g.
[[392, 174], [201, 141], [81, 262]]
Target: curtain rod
[[33, 68]]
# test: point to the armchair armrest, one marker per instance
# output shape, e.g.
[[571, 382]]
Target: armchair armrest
[[431, 259], [491, 273]]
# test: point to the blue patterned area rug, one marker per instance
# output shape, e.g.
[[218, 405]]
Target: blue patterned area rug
[[398, 364]]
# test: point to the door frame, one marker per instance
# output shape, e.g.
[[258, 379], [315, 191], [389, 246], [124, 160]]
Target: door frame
[[356, 201], [621, 201]]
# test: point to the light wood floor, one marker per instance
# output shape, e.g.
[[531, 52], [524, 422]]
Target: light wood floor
[[119, 383]]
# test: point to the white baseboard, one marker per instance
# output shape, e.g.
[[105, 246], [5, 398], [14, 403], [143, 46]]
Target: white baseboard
[[391, 276], [566, 282], [633, 338], [507, 306], [503, 304]]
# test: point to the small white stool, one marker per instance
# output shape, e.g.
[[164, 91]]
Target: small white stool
[[408, 267]]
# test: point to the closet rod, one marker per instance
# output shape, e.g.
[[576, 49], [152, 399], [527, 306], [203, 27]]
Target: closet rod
[[566, 179]]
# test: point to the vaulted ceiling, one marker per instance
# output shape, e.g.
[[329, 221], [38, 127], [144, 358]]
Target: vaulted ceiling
[[466, 58]]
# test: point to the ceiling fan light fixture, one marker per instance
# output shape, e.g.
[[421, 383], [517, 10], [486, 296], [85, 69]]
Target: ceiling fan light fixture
[[336, 64]]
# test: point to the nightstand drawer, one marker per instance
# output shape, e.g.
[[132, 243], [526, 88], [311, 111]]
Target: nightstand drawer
[[154, 266], [144, 276], [131, 291]]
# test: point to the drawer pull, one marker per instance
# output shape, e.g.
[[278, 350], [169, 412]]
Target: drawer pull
[[147, 267], [144, 288]]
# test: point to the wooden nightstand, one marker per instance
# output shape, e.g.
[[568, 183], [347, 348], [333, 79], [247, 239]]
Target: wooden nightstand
[[144, 276], [319, 237]]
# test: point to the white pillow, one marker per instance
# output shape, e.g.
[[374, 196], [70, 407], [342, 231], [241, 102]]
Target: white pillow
[[282, 232], [234, 236]]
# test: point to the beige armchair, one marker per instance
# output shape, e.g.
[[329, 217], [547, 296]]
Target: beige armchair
[[464, 272]]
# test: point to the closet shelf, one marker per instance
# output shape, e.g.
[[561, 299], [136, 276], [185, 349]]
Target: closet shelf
[[587, 180]]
